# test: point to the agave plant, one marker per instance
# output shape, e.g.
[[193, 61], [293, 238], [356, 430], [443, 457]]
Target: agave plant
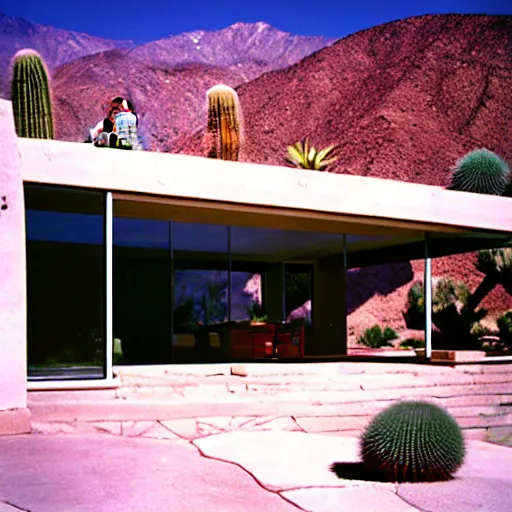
[[304, 156], [413, 441], [481, 171]]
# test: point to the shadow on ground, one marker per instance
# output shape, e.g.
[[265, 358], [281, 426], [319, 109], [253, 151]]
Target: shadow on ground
[[356, 471]]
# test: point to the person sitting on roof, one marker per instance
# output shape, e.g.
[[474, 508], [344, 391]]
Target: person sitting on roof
[[119, 129], [126, 124]]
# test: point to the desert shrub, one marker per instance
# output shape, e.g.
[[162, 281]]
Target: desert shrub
[[505, 327], [374, 337], [413, 441], [445, 293], [412, 343], [481, 171], [415, 298]]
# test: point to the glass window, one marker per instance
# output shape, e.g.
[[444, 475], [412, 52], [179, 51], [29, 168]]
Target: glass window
[[66, 283]]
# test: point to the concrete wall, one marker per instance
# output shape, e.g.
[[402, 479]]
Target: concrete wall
[[14, 417]]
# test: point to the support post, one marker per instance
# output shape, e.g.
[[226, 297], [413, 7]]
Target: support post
[[109, 249], [427, 287]]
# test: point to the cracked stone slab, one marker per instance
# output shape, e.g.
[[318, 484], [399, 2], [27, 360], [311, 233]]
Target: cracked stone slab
[[136, 428], [482, 483], [219, 422], [332, 423], [283, 460], [93, 473], [362, 499], [158, 431], [185, 428], [285, 423], [5, 507]]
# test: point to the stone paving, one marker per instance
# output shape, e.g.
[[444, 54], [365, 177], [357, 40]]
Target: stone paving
[[285, 430], [281, 459]]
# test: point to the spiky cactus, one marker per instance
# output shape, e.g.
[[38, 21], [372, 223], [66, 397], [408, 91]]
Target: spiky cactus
[[304, 156], [481, 171], [224, 127], [30, 94], [413, 441]]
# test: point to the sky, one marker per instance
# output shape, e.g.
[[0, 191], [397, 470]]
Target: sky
[[150, 20]]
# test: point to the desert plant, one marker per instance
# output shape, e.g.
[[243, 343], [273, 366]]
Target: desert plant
[[374, 337], [214, 303], [412, 343], [496, 264], [257, 313], [224, 125], [445, 293], [505, 328], [304, 156], [452, 311], [481, 171], [30, 94], [413, 441]]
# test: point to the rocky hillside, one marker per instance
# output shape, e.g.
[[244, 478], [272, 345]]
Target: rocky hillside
[[167, 99], [403, 100]]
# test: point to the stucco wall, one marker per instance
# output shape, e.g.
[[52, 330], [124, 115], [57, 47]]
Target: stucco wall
[[13, 341]]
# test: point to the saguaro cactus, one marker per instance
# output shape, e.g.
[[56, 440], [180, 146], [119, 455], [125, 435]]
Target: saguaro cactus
[[30, 94], [224, 126]]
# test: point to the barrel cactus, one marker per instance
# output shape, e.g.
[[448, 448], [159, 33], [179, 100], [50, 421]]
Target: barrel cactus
[[224, 127], [413, 441], [481, 171], [30, 94]]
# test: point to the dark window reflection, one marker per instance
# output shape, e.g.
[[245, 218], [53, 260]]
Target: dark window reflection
[[65, 283]]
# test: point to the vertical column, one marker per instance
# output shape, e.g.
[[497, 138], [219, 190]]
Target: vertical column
[[109, 249], [427, 287], [329, 307], [14, 416], [273, 288]]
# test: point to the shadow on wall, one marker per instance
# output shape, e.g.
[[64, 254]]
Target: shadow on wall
[[365, 282]]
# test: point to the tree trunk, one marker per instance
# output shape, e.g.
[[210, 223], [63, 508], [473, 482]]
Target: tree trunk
[[483, 289]]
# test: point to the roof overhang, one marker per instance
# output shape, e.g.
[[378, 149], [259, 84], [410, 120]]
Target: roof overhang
[[187, 188]]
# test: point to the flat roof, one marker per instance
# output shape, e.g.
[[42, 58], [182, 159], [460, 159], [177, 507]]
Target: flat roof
[[163, 186]]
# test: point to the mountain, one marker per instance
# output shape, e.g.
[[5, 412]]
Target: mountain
[[167, 79], [403, 100], [235, 46], [56, 46], [168, 82]]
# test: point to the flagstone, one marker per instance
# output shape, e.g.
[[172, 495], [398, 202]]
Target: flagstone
[[185, 427], [135, 428], [362, 499], [284, 460], [332, 423]]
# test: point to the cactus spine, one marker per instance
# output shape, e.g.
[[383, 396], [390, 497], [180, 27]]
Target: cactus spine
[[30, 94], [481, 171], [413, 441], [224, 126]]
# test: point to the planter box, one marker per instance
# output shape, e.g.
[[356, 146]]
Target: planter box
[[455, 356]]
